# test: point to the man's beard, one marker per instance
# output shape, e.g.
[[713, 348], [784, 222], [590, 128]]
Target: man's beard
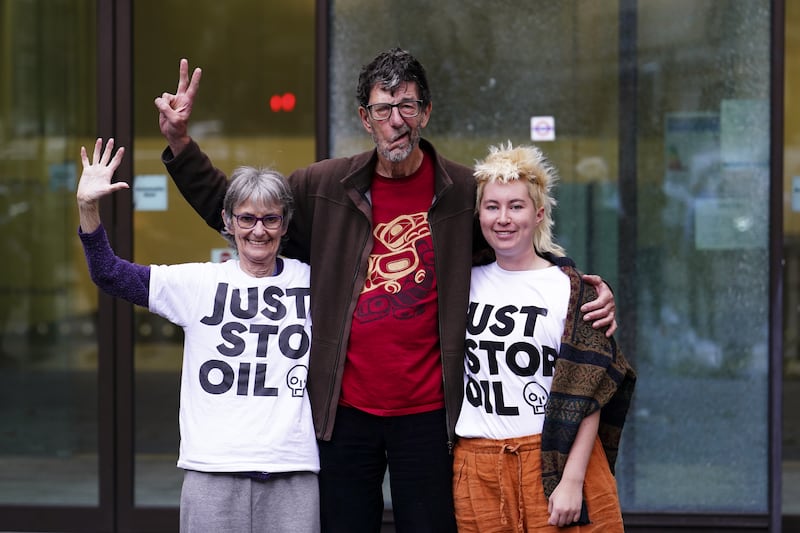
[[398, 155]]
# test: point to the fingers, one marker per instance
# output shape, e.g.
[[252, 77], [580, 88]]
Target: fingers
[[167, 103], [194, 84], [102, 155], [602, 318], [106, 153], [564, 518], [118, 186], [592, 279], [185, 85], [164, 102], [601, 311], [183, 76], [97, 148], [117, 160]]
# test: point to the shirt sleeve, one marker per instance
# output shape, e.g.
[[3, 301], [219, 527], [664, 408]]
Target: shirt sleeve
[[112, 274], [201, 183]]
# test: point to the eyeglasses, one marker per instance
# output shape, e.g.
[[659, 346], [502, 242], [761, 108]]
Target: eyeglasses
[[407, 108], [249, 221]]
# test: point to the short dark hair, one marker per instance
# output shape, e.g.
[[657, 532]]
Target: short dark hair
[[388, 70]]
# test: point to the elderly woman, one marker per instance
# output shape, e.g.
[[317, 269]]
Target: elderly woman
[[247, 439], [546, 395]]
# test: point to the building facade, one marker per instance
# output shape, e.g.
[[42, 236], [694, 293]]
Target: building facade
[[671, 124]]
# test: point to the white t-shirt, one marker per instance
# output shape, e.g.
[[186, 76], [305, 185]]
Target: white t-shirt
[[243, 403], [514, 327]]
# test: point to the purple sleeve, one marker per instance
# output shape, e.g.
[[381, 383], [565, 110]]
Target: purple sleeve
[[112, 274]]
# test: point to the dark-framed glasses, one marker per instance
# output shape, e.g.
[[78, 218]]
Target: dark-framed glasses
[[248, 221], [407, 109]]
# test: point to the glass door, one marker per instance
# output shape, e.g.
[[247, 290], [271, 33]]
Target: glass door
[[660, 111], [255, 107], [54, 457]]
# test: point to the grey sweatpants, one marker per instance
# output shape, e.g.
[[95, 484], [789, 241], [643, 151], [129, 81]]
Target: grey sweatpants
[[285, 503]]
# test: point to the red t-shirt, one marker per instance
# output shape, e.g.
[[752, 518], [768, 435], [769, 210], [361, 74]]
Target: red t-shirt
[[393, 359]]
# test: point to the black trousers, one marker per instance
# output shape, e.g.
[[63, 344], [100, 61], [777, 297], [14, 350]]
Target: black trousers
[[353, 463]]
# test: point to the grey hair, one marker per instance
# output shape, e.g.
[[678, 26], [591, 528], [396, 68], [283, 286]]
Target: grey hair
[[261, 186]]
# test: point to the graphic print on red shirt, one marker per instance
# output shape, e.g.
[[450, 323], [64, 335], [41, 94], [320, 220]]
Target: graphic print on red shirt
[[393, 360]]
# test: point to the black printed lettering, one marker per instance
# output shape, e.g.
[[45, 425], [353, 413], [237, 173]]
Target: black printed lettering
[[229, 332], [300, 295], [259, 386], [285, 344], [218, 310], [244, 379], [505, 321], [518, 367], [275, 309], [473, 363], [487, 404], [248, 312], [533, 312], [472, 392], [472, 327], [549, 356], [499, 400], [263, 331], [227, 377], [489, 395], [492, 348]]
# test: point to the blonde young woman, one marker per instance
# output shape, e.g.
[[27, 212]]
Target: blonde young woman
[[545, 394]]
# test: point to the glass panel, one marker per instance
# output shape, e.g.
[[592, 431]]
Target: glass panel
[[701, 256], [701, 188], [249, 51], [791, 228], [48, 304]]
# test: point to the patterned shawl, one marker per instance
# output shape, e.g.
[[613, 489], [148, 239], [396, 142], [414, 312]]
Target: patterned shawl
[[591, 373]]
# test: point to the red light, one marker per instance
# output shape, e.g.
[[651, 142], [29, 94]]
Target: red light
[[275, 103], [282, 102], [288, 101]]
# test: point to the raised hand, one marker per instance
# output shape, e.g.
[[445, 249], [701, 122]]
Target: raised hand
[[174, 110], [95, 181]]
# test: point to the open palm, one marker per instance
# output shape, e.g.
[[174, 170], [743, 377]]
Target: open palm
[[96, 177]]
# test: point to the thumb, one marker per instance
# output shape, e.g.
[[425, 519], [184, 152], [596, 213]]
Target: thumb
[[118, 186]]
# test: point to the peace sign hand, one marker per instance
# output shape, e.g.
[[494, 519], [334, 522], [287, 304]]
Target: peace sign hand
[[174, 110]]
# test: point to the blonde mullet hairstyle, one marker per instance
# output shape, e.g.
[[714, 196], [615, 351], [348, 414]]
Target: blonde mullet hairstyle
[[506, 164]]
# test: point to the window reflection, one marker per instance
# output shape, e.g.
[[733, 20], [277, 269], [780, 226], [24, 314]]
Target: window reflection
[[693, 282], [255, 107], [48, 346]]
